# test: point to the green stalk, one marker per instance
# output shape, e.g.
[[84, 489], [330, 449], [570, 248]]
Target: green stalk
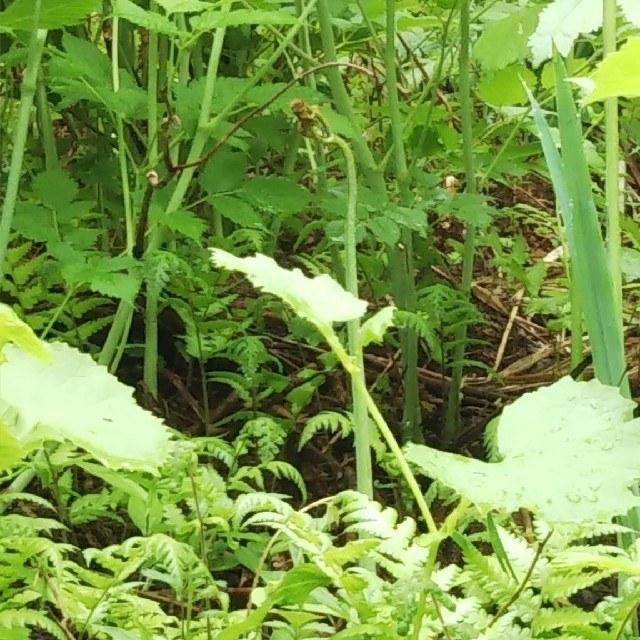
[[122, 144], [452, 418], [614, 243], [44, 125], [385, 431], [411, 418], [396, 256], [612, 158], [27, 95], [364, 471]]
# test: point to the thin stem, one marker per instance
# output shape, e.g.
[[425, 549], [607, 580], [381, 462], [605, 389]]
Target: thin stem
[[364, 471], [27, 95], [612, 159], [383, 427], [122, 144], [451, 425], [411, 419]]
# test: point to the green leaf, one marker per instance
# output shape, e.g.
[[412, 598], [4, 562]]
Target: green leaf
[[13, 330], [618, 75], [321, 300], [568, 455], [215, 19], [54, 14], [74, 399], [560, 24], [385, 230], [506, 41], [123, 286], [375, 328], [591, 274], [185, 222], [183, 6], [472, 208], [238, 211], [277, 193], [143, 18], [83, 72], [225, 172], [504, 87], [298, 583], [55, 188]]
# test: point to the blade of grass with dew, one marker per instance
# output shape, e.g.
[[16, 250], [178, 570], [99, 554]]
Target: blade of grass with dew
[[592, 279], [573, 189]]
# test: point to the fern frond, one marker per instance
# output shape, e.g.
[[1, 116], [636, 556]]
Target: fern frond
[[25, 618], [281, 469], [562, 618], [329, 421], [260, 501]]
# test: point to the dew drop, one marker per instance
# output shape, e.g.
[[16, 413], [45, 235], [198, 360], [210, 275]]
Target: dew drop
[[573, 497]]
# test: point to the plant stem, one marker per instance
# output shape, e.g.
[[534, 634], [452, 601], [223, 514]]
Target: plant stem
[[612, 158], [384, 429], [452, 418], [397, 257], [411, 418], [364, 472], [27, 95]]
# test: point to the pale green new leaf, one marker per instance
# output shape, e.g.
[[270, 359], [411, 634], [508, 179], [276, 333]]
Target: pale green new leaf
[[618, 75], [375, 327], [321, 300], [561, 22], [567, 455], [505, 41], [15, 331], [75, 399]]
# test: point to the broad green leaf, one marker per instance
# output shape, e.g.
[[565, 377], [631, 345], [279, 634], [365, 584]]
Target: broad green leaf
[[567, 454], [238, 211], [83, 72], [216, 19], [384, 229], [321, 300], [618, 75], [185, 222], [55, 188], [247, 624], [278, 194], [74, 399], [472, 208], [506, 41], [54, 14], [225, 172], [184, 6], [504, 87], [375, 327], [135, 14], [298, 583], [561, 22]]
